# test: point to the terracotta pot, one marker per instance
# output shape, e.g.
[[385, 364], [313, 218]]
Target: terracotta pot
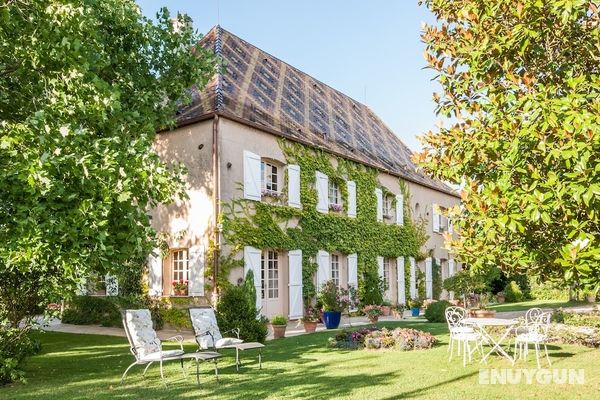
[[278, 331], [386, 311], [397, 314], [310, 326], [485, 313], [373, 319]]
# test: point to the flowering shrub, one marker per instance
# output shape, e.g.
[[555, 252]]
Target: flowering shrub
[[334, 298], [350, 339], [311, 314], [373, 338]]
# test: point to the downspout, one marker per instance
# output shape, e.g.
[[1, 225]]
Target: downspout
[[216, 207], [216, 169]]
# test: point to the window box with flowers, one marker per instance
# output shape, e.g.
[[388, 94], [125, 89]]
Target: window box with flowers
[[272, 196], [335, 197], [180, 287]]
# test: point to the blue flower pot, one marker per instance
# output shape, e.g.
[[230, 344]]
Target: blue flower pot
[[415, 311], [332, 319]]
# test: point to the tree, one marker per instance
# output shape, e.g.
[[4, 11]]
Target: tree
[[521, 88], [84, 86]]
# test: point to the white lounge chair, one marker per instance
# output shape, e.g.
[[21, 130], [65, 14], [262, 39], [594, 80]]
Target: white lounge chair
[[146, 347], [208, 335]]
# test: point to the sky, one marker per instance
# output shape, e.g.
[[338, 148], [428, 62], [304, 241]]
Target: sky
[[370, 50]]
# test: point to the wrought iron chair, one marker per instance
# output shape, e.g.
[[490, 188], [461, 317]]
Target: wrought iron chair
[[536, 334], [462, 334]]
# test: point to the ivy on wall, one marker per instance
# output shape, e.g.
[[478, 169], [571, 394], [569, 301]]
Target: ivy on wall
[[277, 226]]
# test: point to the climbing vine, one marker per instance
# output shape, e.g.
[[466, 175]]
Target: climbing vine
[[277, 226]]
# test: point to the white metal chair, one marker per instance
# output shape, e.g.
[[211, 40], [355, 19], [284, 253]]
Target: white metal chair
[[461, 334], [536, 334], [208, 335], [146, 347]]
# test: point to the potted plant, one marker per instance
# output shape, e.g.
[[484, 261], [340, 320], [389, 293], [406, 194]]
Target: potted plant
[[481, 311], [415, 306], [334, 301], [310, 319], [279, 324], [398, 311], [372, 312], [386, 308], [180, 287]]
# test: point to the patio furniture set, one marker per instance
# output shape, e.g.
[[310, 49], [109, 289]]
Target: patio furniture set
[[146, 347], [470, 334]]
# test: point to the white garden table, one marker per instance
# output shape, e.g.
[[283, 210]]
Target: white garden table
[[483, 323]]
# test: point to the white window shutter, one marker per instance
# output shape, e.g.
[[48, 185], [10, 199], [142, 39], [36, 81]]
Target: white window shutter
[[155, 273], [351, 185], [252, 176], [353, 270], [401, 281], [435, 219], [252, 258], [296, 308], [413, 278], [428, 278], [196, 271], [400, 209], [112, 285], [380, 266], [293, 185], [353, 273], [322, 185], [379, 195], [451, 267], [323, 271]]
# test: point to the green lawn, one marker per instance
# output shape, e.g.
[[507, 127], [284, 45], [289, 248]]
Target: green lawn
[[525, 305], [89, 367]]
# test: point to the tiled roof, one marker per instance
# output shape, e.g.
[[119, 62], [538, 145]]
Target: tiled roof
[[258, 88]]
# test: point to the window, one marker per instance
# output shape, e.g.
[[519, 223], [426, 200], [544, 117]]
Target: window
[[269, 272], [335, 269], [386, 272], [335, 197], [180, 265], [388, 206], [270, 175]]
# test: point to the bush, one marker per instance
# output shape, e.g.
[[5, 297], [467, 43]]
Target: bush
[[436, 312], [89, 310], [513, 292], [372, 288], [176, 317], [106, 311], [15, 345], [549, 291], [237, 309], [279, 320], [580, 335], [591, 319]]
